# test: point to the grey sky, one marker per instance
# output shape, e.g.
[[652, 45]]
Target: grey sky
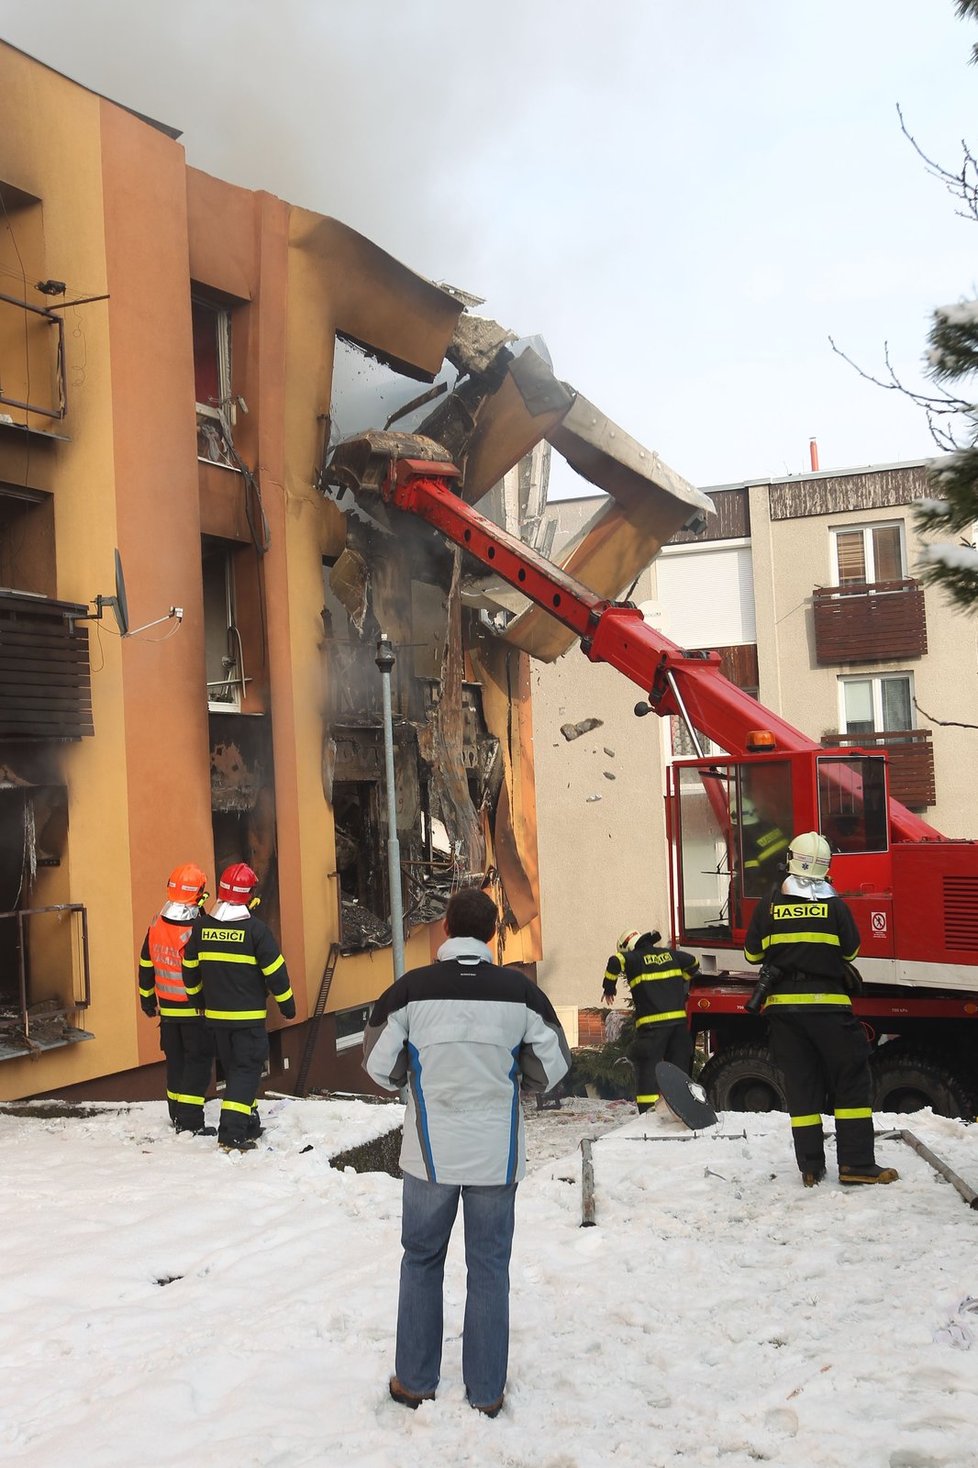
[[684, 197]]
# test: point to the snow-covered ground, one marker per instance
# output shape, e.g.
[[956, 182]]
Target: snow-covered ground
[[717, 1314]]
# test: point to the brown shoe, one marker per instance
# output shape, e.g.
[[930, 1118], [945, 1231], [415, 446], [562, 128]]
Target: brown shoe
[[408, 1399], [493, 1409], [871, 1174], [813, 1177]]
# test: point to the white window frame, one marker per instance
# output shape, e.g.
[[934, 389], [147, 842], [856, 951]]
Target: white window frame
[[235, 681], [349, 1042], [876, 681], [869, 557], [222, 413]]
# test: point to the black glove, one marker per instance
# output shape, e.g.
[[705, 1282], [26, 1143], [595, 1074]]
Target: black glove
[[148, 1003], [287, 1010]]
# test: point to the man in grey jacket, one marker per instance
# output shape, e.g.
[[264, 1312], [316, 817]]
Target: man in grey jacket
[[460, 1036]]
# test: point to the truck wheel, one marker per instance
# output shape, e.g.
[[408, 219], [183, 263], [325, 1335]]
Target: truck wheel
[[743, 1078], [908, 1078]]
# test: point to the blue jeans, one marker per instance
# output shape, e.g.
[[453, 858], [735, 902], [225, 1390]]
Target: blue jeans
[[429, 1211]]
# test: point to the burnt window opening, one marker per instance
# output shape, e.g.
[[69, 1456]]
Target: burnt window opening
[[223, 647], [31, 335], [361, 863], [243, 818], [44, 966], [216, 407], [27, 561]]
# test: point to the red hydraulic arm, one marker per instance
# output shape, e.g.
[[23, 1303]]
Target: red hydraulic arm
[[675, 682]]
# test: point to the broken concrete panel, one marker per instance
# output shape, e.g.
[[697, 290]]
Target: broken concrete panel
[[450, 797], [490, 421], [649, 503], [349, 579], [477, 343], [397, 316], [504, 678]]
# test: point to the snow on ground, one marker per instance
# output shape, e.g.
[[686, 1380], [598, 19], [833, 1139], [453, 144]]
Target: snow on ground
[[718, 1314]]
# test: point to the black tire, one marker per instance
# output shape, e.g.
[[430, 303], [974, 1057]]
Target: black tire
[[743, 1078], [909, 1077]]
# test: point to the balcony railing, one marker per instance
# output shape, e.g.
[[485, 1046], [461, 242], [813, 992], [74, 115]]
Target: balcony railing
[[911, 762], [46, 978], [870, 622]]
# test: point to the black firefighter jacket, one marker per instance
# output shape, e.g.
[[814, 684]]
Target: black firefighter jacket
[[658, 979], [238, 963], [810, 941]]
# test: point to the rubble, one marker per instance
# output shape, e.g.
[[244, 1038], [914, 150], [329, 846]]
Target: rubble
[[574, 731]]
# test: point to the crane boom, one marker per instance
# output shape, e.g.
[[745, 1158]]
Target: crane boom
[[675, 681]]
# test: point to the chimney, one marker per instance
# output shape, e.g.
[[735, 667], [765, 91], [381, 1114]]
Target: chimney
[[813, 454]]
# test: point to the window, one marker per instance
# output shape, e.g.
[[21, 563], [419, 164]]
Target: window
[[876, 705], [223, 653], [212, 380], [350, 1025], [852, 812], [868, 554]]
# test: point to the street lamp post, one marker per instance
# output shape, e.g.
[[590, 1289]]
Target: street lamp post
[[385, 662]]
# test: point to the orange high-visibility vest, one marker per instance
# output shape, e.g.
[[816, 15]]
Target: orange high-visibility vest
[[166, 942]]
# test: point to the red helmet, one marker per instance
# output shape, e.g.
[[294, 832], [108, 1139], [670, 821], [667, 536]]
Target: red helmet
[[237, 884], [186, 883]]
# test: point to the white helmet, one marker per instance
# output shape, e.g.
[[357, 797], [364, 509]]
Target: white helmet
[[743, 811], [628, 940], [809, 855]]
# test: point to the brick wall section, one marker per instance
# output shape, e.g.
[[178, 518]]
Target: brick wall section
[[590, 1026]]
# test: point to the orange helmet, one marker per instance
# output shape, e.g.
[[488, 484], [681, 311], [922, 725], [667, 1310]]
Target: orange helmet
[[186, 883], [237, 883]]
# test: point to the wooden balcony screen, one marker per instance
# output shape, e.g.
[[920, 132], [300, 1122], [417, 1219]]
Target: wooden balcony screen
[[45, 683], [869, 623], [911, 762]]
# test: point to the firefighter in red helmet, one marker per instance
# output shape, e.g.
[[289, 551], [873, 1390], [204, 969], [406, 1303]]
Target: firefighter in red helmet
[[236, 960], [184, 1038]]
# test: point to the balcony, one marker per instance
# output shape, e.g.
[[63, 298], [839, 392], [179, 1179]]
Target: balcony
[[911, 762], [873, 622], [45, 978]]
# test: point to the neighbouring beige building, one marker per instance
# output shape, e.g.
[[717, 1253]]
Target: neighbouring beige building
[[806, 587]]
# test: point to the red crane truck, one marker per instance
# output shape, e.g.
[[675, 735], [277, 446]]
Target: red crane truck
[[913, 892]]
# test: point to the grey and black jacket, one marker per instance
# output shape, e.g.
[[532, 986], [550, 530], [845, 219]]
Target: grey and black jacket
[[461, 1036]]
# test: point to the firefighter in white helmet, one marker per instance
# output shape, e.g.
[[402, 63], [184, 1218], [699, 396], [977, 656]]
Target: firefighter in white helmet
[[658, 980], [806, 939]]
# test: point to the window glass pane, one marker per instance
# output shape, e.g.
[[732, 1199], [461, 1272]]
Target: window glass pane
[[350, 1025], [852, 803], [852, 556], [887, 554], [858, 701], [764, 808], [207, 372], [705, 870], [896, 703]]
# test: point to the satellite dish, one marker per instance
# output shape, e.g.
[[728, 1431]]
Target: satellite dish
[[120, 606], [118, 603]]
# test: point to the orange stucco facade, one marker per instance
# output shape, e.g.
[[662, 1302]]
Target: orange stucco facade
[[125, 218]]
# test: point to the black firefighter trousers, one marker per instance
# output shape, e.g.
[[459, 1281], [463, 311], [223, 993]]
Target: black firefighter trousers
[[669, 1040], [188, 1045], [823, 1056], [242, 1051]]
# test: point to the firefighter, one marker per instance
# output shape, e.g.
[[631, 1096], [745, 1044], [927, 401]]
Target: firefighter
[[185, 1040], [762, 846], [806, 939], [233, 957], [658, 979]]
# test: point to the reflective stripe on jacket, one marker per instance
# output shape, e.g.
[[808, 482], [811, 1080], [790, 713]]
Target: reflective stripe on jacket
[[160, 968], [809, 940], [658, 979], [238, 964]]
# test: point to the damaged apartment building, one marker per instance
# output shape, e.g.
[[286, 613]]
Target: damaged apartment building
[[197, 383]]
